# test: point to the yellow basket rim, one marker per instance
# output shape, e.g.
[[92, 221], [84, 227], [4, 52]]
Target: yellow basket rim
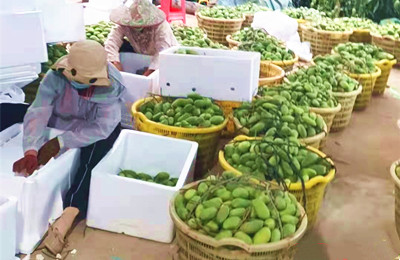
[[292, 186], [281, 62], [320, 110], [375, 74], [276, 67], [310, 28], [199, 15], [300, 21], [349, 94], [269, 247], [385, 37], [136, 113], [307, 139], [360, 30], [396, 179], [386, 62]]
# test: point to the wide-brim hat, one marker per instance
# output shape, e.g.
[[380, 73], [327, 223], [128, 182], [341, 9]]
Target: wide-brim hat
[[140, 14], [86, 63]]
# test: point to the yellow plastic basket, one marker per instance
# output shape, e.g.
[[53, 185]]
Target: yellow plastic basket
[[389, 44], [396, 181], [346, 100], [207, 138], [361, 35], [328, 114], [381, 82], [196, 246], [228, 107], [270, 74], [314, 141], [367, 81], [314, 188]]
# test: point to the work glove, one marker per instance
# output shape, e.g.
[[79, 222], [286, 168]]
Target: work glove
[[48, 150], [27, 164]]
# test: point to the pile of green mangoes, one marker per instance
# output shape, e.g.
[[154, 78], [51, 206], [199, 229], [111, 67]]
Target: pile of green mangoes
[[161, 178], [250, 34], [324, 77], [396, 5], [194, 111], [237, 208], [54, 52], [269, 49], [348, 62], [389, 30], [276, 116], [327, 24], [194, 37], [221, 12], [98, 32], [186, 51], [356, 23], [251, 8], [275, 159], [304, 13], [363, 50]]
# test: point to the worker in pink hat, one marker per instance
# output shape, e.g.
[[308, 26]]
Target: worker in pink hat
[[147, 31]]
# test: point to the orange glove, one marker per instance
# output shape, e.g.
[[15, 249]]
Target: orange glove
[[148, 72], [29, 163], [48, 150]]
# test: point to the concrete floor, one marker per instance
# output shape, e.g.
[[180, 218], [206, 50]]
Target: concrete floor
[[356, 220]]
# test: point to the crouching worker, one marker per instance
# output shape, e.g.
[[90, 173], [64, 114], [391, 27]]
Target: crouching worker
[[82, 96]]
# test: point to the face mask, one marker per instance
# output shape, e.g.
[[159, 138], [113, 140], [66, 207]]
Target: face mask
[[79, 86]]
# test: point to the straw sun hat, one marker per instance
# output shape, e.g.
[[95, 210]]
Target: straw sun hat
[[142, 13], [86, 63]]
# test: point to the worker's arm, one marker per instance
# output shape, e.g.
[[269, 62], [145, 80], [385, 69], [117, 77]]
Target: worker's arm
[[113, 44]]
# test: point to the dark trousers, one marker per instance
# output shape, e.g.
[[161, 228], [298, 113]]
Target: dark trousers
[[78, 195], [11, 114]]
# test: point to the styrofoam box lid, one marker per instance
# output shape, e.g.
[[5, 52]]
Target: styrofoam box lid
[[204, 53]]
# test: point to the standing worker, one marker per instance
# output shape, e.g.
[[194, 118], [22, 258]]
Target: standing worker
[[82, 96], [145, 27]]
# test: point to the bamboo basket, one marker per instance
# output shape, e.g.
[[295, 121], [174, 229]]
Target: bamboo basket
[[346, 100], [381, 82], [328, 114], [196, 246], [389, 44], [287, 65], [313, 141], [322, 42], [231, 42], [361, 35], [248, 20], [396, 181], [270, 75], [218, 29], [299, 30], [367, 81]]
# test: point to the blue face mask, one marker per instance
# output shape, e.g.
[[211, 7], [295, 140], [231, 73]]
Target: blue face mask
[[79, 86]]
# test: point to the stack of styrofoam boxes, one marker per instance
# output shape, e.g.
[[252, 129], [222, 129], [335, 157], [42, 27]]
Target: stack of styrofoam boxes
[[39, 195], [220, 74], [136, 207], [137, 86], [8, 225]]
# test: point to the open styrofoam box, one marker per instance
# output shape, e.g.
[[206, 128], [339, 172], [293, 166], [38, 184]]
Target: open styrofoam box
[[8, 226], [135, 207], [39, 195], [137, 86], [220, 74]]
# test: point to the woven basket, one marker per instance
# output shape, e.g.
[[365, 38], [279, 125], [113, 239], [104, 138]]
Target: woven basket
[[232, 43], [287, 65], [248, 20], [346, 100], [313, 141], [300, 32], [314, 188], [396, 181], [328, 114], [218, 29], [361, 35], [270, 75], [381, 82], [367, 81], [196, 246], [322, 42], [390, 45]]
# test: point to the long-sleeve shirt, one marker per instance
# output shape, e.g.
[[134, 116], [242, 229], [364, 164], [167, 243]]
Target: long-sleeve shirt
[[59, 105], [149, 41]]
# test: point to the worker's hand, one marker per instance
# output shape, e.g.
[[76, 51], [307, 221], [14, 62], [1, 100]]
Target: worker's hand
[[117, 64], [27, 165], [148, 72], [48, 150]]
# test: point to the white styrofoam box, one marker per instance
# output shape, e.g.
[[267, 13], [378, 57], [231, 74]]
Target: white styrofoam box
[[220, 74], [137, 86], [39, 195], [22, 39], [8, 226], [9, 133], [63, 22], [17, 6], [135, 207], [19, 75]]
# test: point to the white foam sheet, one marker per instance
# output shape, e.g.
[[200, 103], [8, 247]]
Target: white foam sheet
[[8, 216]]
